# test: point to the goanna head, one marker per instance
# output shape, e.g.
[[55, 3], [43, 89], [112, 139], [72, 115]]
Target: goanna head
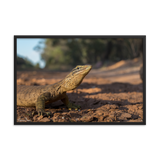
[[75, 77]]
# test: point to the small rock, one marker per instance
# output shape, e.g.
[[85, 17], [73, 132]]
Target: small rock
[[35, 117], [109, 119], [140, 107], [106, 114], [40, 117], [99, 112], [111, 115], [77, 119], [118, 113], [108, 107], [64, 114], [100, 119], [45, 120], [57, 114], [87, 119], [95, 115], [112, 110], [61, 120], [54, 119], [114, 107], [72, 120], [135, 116], [140, 112], [126, 115]]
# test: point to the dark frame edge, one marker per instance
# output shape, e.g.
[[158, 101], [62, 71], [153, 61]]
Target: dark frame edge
[[12, 79], [14, 123], [81, 124], [79, 34], [147, 79], [144, 80]]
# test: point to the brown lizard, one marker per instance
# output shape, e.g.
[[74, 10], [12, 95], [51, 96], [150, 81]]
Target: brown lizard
[[38, 96]]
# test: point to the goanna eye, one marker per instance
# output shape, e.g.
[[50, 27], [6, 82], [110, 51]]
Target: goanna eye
[[77, 67]]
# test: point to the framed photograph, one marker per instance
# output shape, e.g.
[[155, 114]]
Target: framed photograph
[[79, 80]]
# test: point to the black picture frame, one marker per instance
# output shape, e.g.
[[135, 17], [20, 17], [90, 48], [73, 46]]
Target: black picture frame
[[80, 123]]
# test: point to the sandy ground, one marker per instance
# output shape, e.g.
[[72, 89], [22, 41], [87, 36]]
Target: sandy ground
[[108, 94]]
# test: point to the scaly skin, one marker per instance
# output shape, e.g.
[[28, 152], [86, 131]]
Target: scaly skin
[[38, 96]]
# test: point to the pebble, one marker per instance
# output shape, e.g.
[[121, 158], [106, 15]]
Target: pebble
[[100, 119], [35, 117], [135, 116], [40, 117], [140, 112], [87, 119], [126, 115], [45, 120]]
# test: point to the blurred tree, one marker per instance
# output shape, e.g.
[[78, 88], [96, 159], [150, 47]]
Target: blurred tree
[[109, 45], [20, 60], [24, 63], [141, 47], [55, 54], [37, 65], [65, 53], [74, 51], [133, 47], [95, 49]]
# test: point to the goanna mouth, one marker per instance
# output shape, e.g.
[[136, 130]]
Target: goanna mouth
[[88, 67]]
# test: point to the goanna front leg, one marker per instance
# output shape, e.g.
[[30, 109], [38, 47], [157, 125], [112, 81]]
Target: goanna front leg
[[69, 104], [40, 104]]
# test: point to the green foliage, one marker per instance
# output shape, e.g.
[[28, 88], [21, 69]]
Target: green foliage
[[24, 63], [37, 65], [20, 60], [55, 54], [66, 53], [74, 51]]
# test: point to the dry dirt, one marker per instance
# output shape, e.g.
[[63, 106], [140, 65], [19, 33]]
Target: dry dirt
[[109, 94]]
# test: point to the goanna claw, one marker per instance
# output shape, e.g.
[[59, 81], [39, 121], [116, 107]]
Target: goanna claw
[[71, 106], [40, 113]]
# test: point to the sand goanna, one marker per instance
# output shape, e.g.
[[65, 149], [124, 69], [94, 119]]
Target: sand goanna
[[38, 96]]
